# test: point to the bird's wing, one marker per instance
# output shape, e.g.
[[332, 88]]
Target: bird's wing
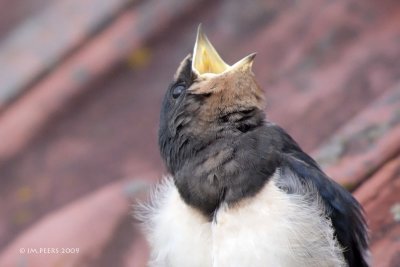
[[344, 211]]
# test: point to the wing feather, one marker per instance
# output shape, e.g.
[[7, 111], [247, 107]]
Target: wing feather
[[343, 209]]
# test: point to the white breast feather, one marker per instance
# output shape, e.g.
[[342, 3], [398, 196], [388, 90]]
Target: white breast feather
[[178, 235], [272, 228]]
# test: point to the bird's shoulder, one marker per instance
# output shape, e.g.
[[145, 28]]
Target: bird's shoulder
[[300, 174]]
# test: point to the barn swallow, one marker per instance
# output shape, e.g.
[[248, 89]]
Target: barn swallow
[[240, 191]]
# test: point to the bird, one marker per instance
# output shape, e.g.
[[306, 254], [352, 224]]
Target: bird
[[240, 192]]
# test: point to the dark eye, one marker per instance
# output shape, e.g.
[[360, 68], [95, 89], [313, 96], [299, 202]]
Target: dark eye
[[178, 90]]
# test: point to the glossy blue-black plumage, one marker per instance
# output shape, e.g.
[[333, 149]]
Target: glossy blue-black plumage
[[344, 211]]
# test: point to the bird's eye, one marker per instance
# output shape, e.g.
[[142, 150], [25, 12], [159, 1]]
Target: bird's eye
[[178, 90]]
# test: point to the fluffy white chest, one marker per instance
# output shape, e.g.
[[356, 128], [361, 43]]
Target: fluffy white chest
[[271, 229]]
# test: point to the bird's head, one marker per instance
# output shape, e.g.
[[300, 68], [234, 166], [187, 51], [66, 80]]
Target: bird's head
[[207, 101]]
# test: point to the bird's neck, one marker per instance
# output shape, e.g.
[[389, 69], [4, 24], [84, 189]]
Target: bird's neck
[[225, 169]]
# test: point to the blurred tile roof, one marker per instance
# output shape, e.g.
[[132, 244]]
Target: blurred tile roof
[[88, 113]]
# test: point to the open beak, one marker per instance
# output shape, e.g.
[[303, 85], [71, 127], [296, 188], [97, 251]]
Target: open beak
[[207, 60]]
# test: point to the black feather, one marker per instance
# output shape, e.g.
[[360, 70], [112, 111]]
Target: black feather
[[345, 212]]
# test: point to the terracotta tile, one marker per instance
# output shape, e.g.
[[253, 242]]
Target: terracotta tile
[[86, 224], [45, 38], [28, 115], [381, 200], [365, 143]]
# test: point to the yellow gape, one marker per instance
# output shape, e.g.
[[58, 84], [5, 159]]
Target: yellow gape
[[206, 59]]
